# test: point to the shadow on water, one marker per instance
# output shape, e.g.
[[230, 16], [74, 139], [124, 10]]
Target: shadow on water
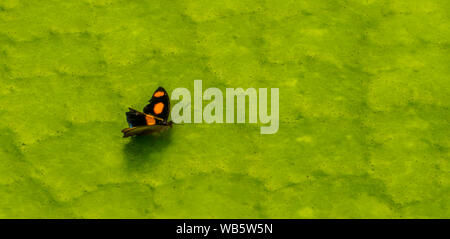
[[144, 151]]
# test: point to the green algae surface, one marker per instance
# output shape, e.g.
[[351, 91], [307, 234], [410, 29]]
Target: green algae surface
[[364, 109]]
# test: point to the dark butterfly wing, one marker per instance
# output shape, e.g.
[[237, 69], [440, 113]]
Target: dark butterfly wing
[[141, 124], [135, 118], [159, 106], [153, 120]]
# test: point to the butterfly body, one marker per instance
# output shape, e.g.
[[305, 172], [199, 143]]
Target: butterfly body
[[154, 119]]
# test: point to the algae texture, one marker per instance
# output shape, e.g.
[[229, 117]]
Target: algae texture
[[364, 109]]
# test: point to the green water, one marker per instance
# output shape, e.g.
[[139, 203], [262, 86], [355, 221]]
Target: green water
[[364, 109]]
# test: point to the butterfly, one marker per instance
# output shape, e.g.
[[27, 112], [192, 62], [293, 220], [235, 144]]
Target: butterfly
[[154, 119]]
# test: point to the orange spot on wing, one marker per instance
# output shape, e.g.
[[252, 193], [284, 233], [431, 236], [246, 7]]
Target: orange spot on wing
[[158, 108], [150, 120], [158, 93]]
